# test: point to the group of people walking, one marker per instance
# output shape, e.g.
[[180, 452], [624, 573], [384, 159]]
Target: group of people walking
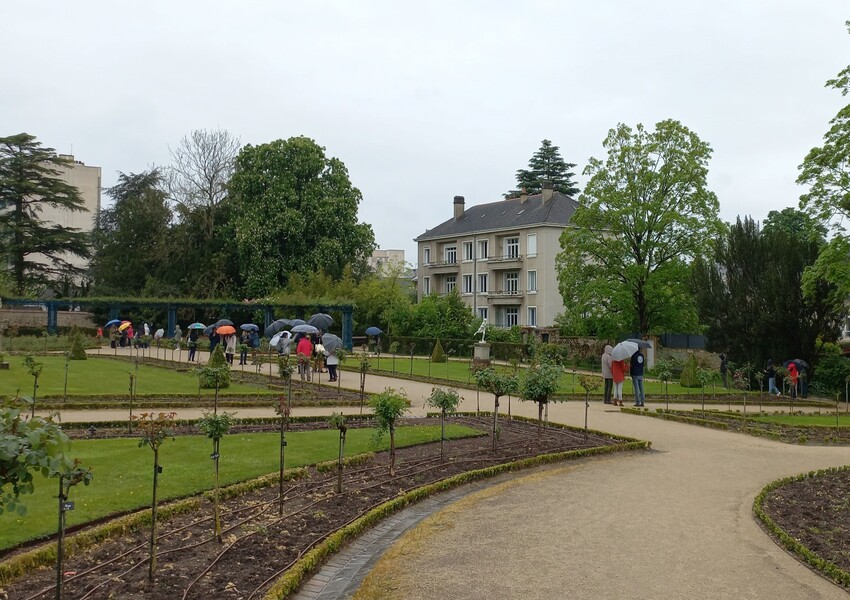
[[614, 374], [311, 354]]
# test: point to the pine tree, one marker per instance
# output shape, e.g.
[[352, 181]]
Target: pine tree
[[438, 355], [78, 349], [29, 182], [546, 165]]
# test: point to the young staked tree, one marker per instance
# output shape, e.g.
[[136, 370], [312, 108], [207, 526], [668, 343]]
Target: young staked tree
[[499, 384], [338, 420], [644, 215], [540, 382], [388, 406], [446, 401], [216, 426], [70, 473], [29, 182], [155, 429], [34, 368], [546, 165], [590, 384]]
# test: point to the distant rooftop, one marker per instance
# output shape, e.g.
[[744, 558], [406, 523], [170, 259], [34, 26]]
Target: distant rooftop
[[506, 214]]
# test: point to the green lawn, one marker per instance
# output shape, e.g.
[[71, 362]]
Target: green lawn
[[826, 420], [456, 370], [100, 376], [123, 471]]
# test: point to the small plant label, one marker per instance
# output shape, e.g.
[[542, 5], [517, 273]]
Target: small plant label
[[66, 506], [214, 455]]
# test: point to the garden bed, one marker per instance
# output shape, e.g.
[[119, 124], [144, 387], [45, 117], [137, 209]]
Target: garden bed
[[814, 435], [259, 546], [808, 515]]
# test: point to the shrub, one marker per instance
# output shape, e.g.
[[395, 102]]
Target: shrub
[[217, 367], [831, 373], [438, 356], [689, 378], [78, 352]]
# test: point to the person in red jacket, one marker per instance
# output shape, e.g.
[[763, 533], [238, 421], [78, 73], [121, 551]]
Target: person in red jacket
[[618, 373], [793, 375], [304, 351]]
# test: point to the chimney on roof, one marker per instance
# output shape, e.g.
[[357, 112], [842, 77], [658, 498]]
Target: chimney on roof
[[459, 206], [523, 196], [548, 190]]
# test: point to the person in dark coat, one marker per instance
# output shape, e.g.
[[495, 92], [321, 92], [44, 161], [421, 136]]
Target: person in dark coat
[[636, 372], [724, 367]]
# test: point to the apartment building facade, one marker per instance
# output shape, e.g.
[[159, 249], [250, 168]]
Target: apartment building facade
[[500, 257]]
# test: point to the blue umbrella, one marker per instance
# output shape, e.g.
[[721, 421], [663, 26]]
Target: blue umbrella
[[113, 323], [197, 326], [249, 327], [373, 331]]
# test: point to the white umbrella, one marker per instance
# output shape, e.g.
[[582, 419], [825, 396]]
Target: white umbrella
[[624, 350], [275, 339]]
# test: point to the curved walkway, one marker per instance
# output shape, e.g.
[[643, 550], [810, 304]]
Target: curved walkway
[[675, 522]]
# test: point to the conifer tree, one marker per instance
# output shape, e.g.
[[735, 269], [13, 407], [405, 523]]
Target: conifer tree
[[546, 165], [29, 182]]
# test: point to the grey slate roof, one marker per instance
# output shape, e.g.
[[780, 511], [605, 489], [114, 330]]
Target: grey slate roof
[[506, 214]]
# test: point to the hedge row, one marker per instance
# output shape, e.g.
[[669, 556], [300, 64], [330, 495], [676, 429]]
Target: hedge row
[[829, 569]]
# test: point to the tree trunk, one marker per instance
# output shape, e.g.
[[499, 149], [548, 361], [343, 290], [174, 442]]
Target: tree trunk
[[60, 549], [152, 562], [392, 451], [217, 508], [442, 433], [495, 421], [539, 421], [282, 457], [339, 464]]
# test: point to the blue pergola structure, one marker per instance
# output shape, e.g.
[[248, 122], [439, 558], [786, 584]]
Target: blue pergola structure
[[116, 305]]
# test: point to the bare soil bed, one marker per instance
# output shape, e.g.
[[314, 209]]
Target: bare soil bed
[[815, 512], [258, 544]]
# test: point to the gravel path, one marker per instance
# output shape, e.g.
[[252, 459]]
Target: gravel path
[[675, 522]]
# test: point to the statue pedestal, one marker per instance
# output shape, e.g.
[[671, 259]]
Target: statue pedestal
[[481, 355]]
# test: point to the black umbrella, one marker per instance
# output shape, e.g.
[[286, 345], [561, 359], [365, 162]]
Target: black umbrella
[[223, 322], [640, 343], [798, 362], [305, 328], [208, 330], [276, 327], [321, 321], [295, 322], [331, 342], [373, 330]]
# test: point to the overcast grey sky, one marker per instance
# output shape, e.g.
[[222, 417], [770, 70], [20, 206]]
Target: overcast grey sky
[[427, 100]]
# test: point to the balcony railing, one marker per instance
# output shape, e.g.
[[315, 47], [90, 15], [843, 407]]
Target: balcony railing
[[505, 258], [505, 294], [442, 263]]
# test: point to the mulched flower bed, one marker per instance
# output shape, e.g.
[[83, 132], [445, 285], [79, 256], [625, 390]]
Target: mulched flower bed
[[258, 544], [814, 435], [816, 512]]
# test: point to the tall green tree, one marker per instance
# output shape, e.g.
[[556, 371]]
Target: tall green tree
[[750, 299], [294, 211], [826, 170], [132, 236], [546, 165], [35, 251], [795, 223], [645, 213]]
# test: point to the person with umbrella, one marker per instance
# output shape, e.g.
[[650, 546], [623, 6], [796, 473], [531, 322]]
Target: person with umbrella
[[618, 375], [304, 351], [636, 371], [331, 343], [793, 375]]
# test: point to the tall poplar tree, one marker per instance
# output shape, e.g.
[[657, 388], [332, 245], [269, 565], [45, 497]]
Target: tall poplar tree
[[35, 251]]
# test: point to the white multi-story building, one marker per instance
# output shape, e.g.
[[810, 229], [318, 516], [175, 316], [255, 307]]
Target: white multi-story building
[[500, 257]]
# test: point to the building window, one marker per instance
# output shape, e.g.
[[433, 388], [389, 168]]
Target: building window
[[426, 286], [531, 245], [532, 282], [451, 282], [532, 316], [512, 247], [511, 316], [426, 255], [511, 283], [482, 313], [467, 284], [483, 247], [482, 282], [467, 251], [451, 254]]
